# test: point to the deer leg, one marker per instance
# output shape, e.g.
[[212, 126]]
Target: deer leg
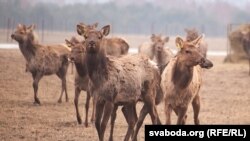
[[77, 93], [113, 117], [249, 65], [143, 113], [168, 111], [149, 100], [63, 79], [196, 108], [94, 109], [65, 89], [62, 75], [175, 111], [150, 103], [36, 78], [109, 106], [131, 118], [99, 112], [87, 108], [182, 115]]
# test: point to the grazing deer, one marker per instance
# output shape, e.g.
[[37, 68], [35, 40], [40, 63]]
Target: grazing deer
[[119, 81], [42, 59], [181, 80]]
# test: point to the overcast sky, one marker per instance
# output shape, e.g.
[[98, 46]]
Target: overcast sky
[[239, 3]]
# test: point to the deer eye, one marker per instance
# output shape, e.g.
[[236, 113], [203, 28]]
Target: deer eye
[[99, 36], [21, 32], [188, 52]]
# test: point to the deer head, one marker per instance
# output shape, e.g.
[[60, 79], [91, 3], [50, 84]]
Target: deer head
[[192, 34], [159, 42], [23, 33], [190, 53], [93, 38], [81, 27], [77, 49]]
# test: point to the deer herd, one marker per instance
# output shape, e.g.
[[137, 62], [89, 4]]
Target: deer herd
[[113, 78]]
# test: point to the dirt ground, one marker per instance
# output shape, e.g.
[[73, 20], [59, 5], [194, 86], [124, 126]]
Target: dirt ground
[[225, 99]]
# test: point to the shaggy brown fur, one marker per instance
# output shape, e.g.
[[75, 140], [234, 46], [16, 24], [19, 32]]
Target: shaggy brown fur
[[119, 81], [193, 34], [42, 60], [113, 46], [149, 48], [246, 46], [81, 79], [181, 80], [82, 82]]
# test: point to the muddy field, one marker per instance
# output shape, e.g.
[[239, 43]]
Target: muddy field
[[225, 98]]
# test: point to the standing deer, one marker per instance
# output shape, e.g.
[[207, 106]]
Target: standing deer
[[82, 82], [181, 80], [119, 81], [78, 57], [41, 59], [246, 46], [150, 48]]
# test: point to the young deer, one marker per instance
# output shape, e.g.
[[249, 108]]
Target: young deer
[[82, 82]]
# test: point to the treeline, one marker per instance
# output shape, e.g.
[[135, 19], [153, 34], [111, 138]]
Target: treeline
[[136, 19]]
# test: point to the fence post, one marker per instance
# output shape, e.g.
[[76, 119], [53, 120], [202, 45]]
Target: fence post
[[229, 28], [8, 30], [42, 30], [152, 28]]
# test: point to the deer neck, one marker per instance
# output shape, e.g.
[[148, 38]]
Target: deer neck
[[153, 48], [182, 75], [161, 58], [28, 49], [81, 69], [97, 67]]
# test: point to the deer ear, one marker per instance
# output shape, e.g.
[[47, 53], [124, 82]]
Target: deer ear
[[19, 26], [198, 40], [179, 42], [95, 25], [68, 43], [105, 30], [80, 28], [31, 27], [166, 39], [153, 37]]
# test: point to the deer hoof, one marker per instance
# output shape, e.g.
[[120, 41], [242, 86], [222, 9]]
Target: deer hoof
[[86, 124], [59, 101], [37, 101], [79, 120]]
